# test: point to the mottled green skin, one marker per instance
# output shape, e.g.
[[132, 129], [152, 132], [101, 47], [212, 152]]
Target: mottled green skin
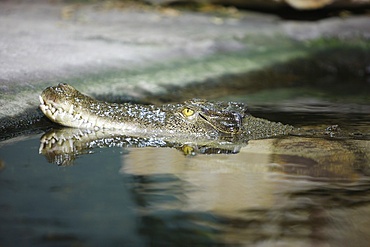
[[65, 105]]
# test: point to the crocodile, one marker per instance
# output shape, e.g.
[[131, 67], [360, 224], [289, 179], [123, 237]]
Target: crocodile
[[192, 119], [194, 127]]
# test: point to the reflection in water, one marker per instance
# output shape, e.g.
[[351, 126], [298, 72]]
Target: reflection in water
[[249, 198], [63, 146], [291, 191]]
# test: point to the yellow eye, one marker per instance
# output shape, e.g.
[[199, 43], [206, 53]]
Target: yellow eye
[[188, 150], [187, 112]]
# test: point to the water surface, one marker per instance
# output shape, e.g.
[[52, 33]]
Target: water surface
[[288, 191]]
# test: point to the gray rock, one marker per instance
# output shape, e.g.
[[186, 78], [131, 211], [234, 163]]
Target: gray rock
[[137, 53]]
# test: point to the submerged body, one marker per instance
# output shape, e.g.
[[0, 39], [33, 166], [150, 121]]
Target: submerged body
[[194, 118]]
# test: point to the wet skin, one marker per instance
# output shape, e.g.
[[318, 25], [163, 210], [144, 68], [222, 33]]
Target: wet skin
[[195, 118], [195, 126]]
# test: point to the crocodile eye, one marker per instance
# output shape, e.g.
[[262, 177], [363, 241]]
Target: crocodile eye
[[187, 112], [188, 150]]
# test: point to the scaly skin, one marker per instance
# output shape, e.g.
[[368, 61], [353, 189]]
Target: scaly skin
[[192, 119], [193, 127]]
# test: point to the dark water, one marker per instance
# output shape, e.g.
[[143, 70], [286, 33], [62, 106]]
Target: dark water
[[290, 191]]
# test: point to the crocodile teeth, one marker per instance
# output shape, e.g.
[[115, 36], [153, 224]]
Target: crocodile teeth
[[59, 116], [70, 142], [43, 108], [42, 146], [60, 142], [48, 113], [42, 102]]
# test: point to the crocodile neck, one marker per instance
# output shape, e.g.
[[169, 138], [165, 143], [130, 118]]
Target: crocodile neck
[[259, 128]]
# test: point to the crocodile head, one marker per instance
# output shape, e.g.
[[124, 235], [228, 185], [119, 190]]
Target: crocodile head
[[65, 105], [201, 116]]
